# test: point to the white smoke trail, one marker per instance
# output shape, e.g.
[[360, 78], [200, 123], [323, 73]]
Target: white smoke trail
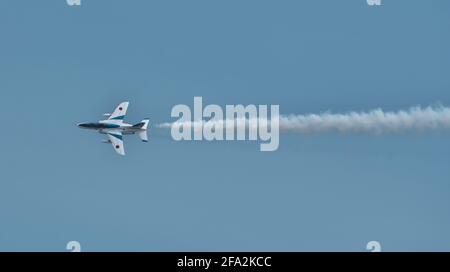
[[375, 121]]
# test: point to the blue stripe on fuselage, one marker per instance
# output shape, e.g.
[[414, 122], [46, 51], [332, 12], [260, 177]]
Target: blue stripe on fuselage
[[98, 125], [111, 125]]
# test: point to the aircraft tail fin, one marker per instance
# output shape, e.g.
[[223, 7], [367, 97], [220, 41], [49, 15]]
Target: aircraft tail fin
[[142, 124], [145, 121], [143, 133]]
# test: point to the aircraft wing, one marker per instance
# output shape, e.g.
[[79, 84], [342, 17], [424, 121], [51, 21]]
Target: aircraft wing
[[120, 112], [117, 142]]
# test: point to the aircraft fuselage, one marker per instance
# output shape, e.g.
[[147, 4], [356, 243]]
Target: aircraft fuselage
[[105, 127]]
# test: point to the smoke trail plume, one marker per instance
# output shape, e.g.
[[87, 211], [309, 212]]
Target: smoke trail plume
[[375, 121]]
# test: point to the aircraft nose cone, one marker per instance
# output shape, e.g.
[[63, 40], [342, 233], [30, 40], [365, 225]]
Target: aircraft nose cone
[[81, 125]]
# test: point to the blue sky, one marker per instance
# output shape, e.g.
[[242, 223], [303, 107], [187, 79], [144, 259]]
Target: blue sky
[[62, 65]]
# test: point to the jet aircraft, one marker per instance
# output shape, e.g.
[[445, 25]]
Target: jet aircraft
[[115, 128]]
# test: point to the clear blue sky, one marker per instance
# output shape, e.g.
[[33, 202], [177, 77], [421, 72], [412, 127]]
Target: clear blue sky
[[62, 65]]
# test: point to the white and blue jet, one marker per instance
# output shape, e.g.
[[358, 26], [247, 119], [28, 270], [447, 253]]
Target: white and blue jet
[[115, 128]]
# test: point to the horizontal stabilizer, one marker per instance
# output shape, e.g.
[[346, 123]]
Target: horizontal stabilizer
[[143, 135]]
